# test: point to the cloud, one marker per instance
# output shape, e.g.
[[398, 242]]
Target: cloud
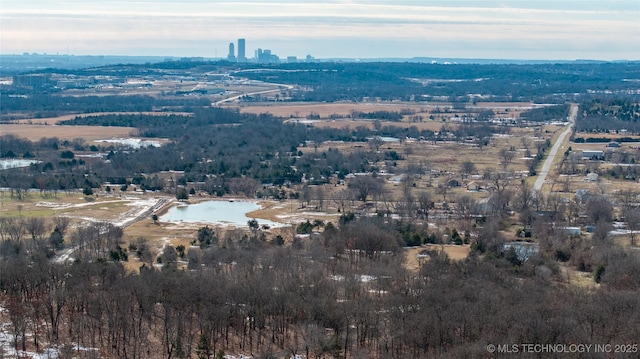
[[102, 27]]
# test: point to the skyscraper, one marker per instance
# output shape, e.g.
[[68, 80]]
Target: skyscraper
[[241, 49], [232, 52]]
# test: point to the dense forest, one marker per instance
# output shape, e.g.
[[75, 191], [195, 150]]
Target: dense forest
[[609, 115], [412, 81], [344, 293], [546, 114]]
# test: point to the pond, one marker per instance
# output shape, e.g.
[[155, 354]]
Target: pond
[[217, 212]]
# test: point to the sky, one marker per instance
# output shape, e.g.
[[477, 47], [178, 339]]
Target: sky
[[500, 29]]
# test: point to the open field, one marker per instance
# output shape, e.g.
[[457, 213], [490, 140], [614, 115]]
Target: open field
[[36, 128], [345, 109], [88, 133], [413, 261]]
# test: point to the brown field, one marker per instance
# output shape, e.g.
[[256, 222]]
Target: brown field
[[89, 133], [36, 128], [298, 110], [452, 251], [428, 125], [55, 120], [344, 109]]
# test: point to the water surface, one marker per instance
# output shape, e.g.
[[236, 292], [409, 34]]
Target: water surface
[[216, 212]]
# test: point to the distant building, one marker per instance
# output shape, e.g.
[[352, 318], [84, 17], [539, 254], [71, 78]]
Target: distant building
[[232, 52], [292, 59], [241, 51], [32, 80], [266, 57], [310, 58]]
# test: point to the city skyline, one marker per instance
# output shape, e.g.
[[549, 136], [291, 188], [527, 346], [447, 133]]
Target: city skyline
[[508, 29]]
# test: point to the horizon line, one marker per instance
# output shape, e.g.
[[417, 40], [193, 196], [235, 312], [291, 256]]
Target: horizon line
[[361, 59]]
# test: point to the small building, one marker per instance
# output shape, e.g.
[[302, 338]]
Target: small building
[[453, 183], [473, 186], [572, 231], [591, 154], [592, 177]]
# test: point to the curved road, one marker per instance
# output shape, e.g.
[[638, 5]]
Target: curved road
[[280, 88], [546, 166]]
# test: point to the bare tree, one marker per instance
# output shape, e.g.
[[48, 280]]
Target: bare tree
[[632, 217], [507, 155], [13, 228], [467, 168], [424, 205], [62, 223], [557, 206], [407, 203], [599, 209], [464, 206], [375, 143], [36, 228], [305, 197], [526, 144], [319, 194], [365, 186], [628, 199], [443, 190], [342, 199]]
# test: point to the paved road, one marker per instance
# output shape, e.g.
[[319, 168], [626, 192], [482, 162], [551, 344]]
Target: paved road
[[280, 88], [546, 166]]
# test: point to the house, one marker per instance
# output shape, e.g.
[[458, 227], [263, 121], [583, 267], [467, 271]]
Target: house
[[473, 186]]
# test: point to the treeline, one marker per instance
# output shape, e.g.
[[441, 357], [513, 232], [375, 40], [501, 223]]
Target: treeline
[[51, 105], [413, 81], [547, 113], [604, 139], [604, 115], [343, 293]]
